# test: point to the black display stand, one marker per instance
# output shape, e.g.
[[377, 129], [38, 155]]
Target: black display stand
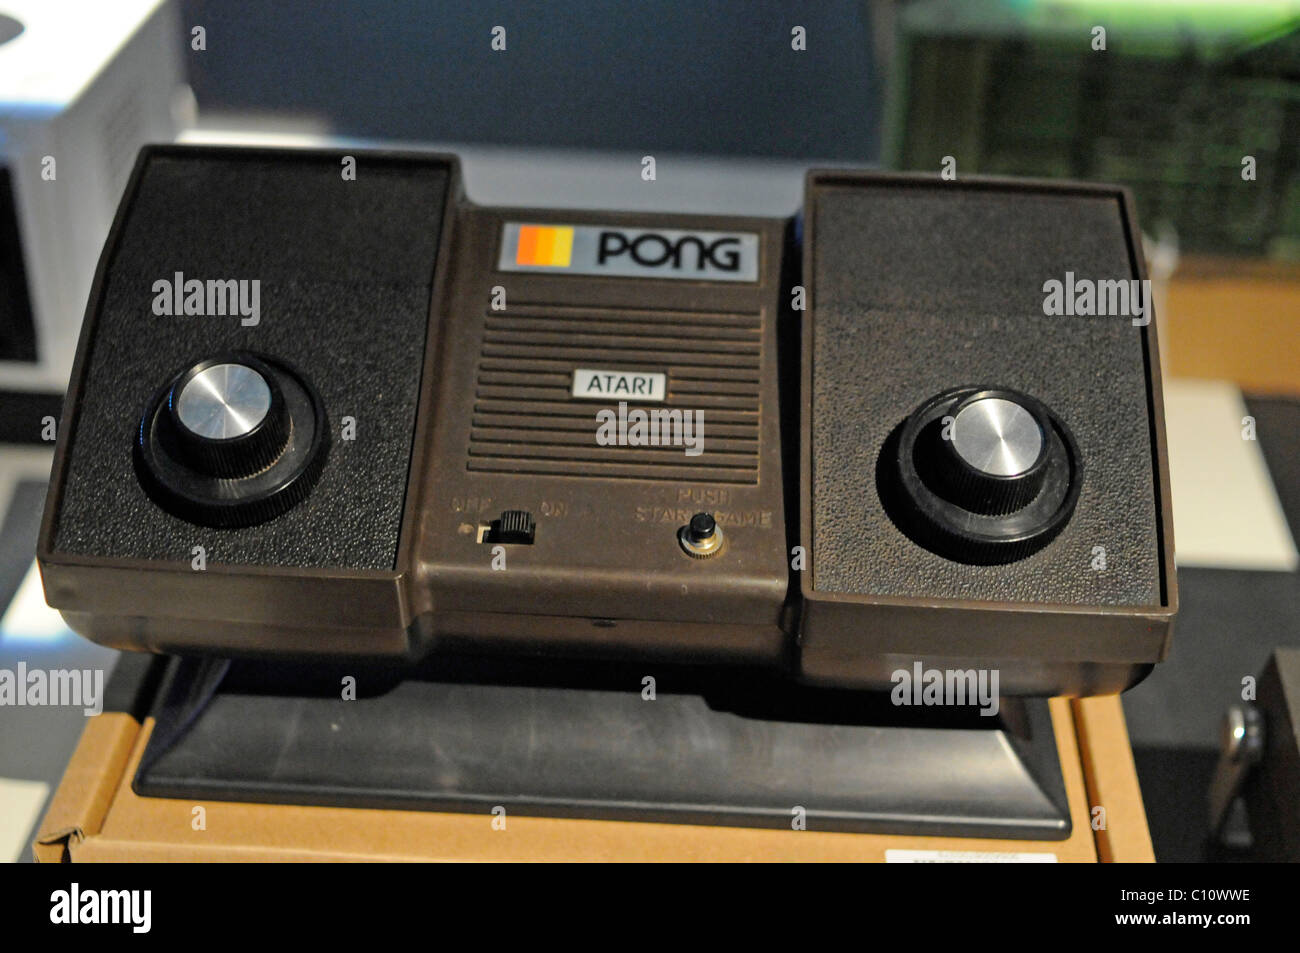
[[467, 736]]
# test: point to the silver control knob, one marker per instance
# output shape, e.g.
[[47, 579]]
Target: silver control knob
[[223, 401]]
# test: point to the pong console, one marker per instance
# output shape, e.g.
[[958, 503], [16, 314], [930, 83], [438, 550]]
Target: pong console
[[321, 414]]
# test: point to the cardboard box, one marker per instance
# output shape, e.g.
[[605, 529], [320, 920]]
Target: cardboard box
[[95, 816], [1234, 320]]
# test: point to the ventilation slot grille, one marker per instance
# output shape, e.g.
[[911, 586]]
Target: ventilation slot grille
[[526, 421]]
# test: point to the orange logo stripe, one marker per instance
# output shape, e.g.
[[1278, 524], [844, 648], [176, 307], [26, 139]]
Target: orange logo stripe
[[544, 245]]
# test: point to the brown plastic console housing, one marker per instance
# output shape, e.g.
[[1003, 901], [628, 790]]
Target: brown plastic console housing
[[918, 284], [606, 572], [468, 502], [490, 428]]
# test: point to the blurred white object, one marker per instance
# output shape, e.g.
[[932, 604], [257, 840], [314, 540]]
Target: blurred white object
[[83, 83], [20, 808], [1226, 511], [28, 619]]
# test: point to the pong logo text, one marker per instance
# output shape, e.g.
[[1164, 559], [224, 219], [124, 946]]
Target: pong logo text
[[617, 251]]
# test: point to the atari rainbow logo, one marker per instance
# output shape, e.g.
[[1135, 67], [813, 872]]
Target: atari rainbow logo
[[546, 246]]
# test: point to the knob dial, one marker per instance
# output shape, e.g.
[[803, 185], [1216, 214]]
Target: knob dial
[[981, 475], [232, 440], [229, 419], [995, 452]]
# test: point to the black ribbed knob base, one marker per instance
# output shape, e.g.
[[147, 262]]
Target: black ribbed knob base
[[227, 418], [232, 440], [981, 475]]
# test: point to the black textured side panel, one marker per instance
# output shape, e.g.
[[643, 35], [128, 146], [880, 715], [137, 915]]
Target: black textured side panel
[[921, 288], [345, 271]]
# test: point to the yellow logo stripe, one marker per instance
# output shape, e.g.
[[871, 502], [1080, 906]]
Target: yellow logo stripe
[[545, 245]]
